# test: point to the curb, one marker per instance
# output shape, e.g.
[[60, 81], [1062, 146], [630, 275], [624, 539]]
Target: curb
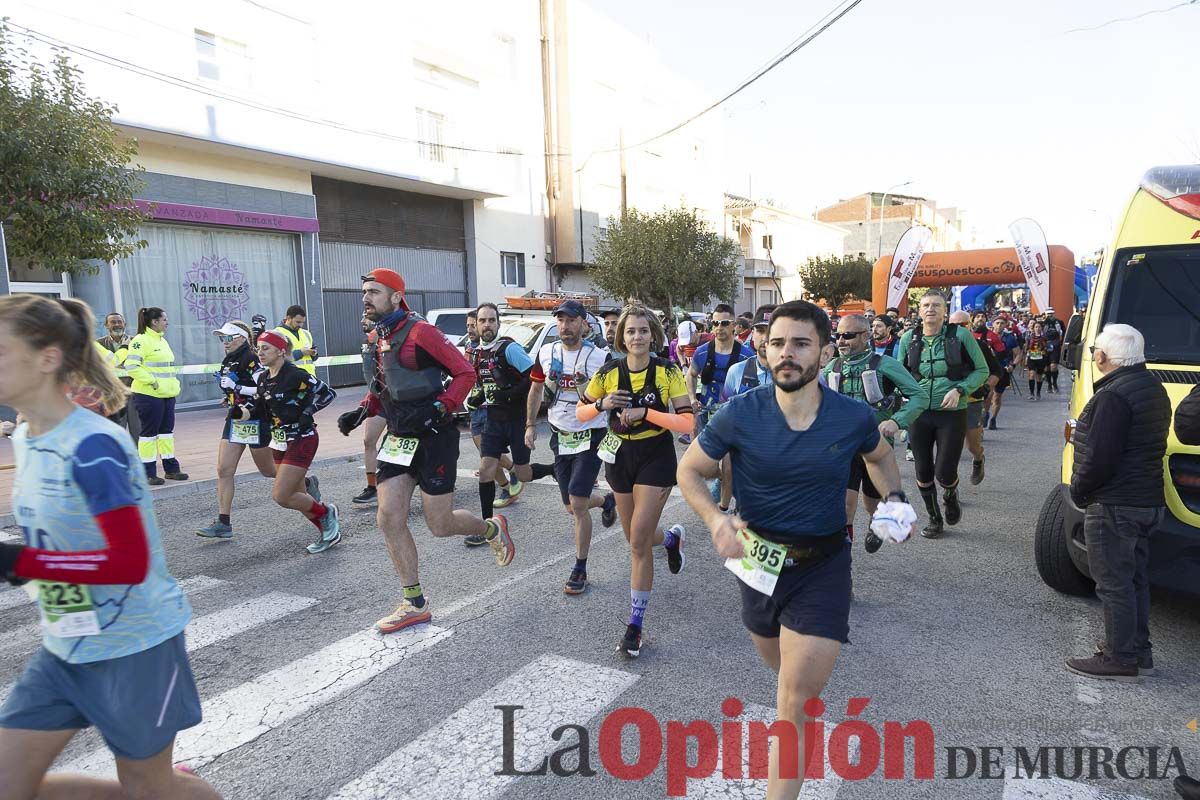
[[199, 487]]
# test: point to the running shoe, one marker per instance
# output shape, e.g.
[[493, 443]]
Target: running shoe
[[216, 530], [406, 614], [475, 540], [977, 472], [577, 583], [503, 547], [675, 557], [312, 485], [871, 542], [366, 496], [505, 496], [330, 533], [953, 508], [514, 485], [631, 642], [992, 424], [608, 511], [175, 476], [685, 438]]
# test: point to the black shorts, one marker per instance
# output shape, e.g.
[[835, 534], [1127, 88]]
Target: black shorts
[[1005, 381], [500, 435], [811, 599], [264, 433], [576, 474], [648, 462], [1035, 364], [1054, 356], [435, 464], [859, 478]]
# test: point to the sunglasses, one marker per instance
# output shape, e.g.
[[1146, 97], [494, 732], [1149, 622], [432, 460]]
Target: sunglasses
[[848, 335], [227, 339], [722, 323]]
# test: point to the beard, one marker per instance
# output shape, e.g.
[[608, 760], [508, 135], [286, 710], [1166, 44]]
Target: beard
[[806, 377]]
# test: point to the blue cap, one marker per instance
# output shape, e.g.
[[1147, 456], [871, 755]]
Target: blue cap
[[572, 308]]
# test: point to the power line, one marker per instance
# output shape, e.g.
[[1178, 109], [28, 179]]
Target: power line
[[1134, 18]]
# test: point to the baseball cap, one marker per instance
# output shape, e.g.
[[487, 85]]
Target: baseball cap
[[687, 331], [389, 278], [233, 328], [763, 317], [572, 308], [275, 340], [886, 319]]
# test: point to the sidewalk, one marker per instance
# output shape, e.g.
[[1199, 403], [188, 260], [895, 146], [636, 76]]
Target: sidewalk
[[196, 436]]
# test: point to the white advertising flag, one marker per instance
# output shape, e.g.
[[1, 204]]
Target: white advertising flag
[[1034, 255], [908, 254]]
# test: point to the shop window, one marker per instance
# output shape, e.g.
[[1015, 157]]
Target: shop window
[[512, 269]]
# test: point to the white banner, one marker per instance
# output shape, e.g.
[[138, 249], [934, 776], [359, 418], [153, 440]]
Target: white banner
[[908, 254], [1030, 242]]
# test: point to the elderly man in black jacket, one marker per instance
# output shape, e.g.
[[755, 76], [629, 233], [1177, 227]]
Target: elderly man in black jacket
[[1117, 478]]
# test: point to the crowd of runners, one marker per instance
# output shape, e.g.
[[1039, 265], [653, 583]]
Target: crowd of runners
[[789, 415]]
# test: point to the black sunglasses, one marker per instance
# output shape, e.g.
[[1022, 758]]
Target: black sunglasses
[[722, 323], [849, 334]]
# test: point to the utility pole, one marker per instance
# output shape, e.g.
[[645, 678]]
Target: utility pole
[[624, 175]]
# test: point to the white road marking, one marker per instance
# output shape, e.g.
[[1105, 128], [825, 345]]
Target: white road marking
[[717, 787], [460, 756], [229, 622], [251, 709], [1059, 789]]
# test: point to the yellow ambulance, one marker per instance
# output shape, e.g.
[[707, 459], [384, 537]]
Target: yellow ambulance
[[1150, 279]]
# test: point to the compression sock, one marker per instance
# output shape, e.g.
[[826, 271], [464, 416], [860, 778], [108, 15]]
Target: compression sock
[[1039, 388], [1054, 381], [541, 470], [487, 498], [929, 496], [317, 511], [370, 479], [224, 518], [1032, 383], [415, 595], [581, 565], [637, 606]]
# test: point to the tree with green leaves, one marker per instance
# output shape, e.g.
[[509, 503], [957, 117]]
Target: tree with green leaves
[[836, 279], [664, 259], [66, 184]]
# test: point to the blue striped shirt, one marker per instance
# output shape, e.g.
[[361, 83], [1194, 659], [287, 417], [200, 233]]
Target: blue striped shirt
[[790, 484]]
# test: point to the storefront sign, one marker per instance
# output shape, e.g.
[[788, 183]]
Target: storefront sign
[[215, 291], [203, 215]]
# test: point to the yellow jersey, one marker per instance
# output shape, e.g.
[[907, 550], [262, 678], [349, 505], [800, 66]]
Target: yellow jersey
[[668, 387]]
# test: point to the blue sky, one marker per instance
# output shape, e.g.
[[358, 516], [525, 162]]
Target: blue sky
[[992, 107]]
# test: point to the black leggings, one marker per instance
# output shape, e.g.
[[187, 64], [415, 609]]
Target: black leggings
[[945, 429]]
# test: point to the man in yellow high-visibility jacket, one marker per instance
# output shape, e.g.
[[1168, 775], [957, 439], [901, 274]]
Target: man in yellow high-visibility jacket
[[302, 350]]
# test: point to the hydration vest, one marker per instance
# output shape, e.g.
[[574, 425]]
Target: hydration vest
[[404, 386], [878, 392], [710, 364], [501, 384], [957, 367], [647, 398], [749, 376]]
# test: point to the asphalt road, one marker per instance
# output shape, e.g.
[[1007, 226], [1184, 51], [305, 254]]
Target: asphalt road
[[302, 702]]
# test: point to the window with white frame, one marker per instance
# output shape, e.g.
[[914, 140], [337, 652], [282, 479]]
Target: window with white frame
[[512, 269], [221, 59], [431, 134]]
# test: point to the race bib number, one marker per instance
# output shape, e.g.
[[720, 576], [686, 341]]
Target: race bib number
[[396, 450], [278, 439], [759, 567], [608, 448], [572, 443], [67, 610], [244, 432]]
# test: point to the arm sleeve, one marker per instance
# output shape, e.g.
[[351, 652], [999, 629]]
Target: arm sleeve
[[679, 423], [718, 435], [101, 470], [371, 404], [1110, 420], [462, 375], [972, 351]]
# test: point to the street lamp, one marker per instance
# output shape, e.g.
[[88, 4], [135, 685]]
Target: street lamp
[[882, 207]]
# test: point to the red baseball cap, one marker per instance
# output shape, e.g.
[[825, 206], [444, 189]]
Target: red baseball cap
[[389, 278]]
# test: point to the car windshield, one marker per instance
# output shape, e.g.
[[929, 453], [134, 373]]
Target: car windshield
[[452, 324], [1157, 291]]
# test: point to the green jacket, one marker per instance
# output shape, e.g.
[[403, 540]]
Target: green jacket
[[933, 368], [852, 368]]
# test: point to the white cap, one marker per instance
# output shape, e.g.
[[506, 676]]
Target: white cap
[[229, 329], [687, 331]]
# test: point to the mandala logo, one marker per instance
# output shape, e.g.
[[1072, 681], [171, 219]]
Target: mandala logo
[[215, 291]]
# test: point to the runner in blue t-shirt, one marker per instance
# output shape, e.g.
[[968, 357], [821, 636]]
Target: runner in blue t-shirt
[[750, 373], [791, 447], [113, 652]]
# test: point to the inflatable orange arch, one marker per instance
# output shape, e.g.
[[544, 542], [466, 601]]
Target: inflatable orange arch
[[995, 265]]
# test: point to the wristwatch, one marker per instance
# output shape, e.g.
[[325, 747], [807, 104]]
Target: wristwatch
[[600, 405]]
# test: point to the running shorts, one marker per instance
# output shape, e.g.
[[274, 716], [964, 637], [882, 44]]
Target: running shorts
[[138, 702], [434, 465], [576, 474], [300, 452], [975, 414], [1005, 381], [477, 419], [859, 480], [264, 433], [1035, 364], [649, 462], [504, 435], [812, 598]]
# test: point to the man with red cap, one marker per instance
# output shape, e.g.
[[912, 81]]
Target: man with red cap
[[404, 369]]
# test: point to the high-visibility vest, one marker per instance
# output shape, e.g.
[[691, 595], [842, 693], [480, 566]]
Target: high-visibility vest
[[299, 340], [150, 359]]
